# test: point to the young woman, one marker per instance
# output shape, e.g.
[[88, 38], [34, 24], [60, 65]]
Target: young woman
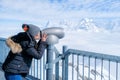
[[23, 48]]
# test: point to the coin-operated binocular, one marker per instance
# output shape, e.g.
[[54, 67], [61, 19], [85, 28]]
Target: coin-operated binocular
[[54, 34]]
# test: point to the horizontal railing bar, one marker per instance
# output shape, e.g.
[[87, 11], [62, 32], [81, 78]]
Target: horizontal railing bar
[[94, 55], [2, 39]]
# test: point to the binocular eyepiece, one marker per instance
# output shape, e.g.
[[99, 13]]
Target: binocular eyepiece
[[54, 34]]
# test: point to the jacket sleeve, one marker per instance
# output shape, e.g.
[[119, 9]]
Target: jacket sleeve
[[36, 53]]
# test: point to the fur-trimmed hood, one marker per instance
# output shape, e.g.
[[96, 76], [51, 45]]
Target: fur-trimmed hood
[[14, 47]]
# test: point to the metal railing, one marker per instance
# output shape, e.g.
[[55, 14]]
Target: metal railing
[[3, 50], [91, 66], [71, 65]]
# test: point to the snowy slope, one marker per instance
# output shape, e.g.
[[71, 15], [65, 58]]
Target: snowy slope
[[76, 72]]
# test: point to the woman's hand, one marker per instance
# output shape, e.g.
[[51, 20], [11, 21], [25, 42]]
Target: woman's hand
[[44, 37]]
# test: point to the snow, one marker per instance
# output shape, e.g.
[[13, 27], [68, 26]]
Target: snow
[[76, 72]]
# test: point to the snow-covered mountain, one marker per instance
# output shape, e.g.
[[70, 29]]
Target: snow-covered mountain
[[88, 24]]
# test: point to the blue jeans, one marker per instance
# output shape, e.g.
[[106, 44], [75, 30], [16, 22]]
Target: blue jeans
[[10, 76]]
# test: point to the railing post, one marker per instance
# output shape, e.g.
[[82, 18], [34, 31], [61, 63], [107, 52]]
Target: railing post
[[65, 65], [57, 68], [49, 71]]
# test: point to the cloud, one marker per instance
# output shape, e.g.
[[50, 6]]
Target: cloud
[[106, 43], [42, 11], [29, 11], [57, 9]]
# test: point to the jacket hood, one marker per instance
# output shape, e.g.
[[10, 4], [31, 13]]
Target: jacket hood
[[14, 47]]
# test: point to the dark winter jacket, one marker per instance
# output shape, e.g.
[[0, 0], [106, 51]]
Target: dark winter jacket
[[23, 49]]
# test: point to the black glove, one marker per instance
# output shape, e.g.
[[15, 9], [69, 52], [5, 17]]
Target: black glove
[[42, 42]]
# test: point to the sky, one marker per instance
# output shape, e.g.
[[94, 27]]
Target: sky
[[13, 13]]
